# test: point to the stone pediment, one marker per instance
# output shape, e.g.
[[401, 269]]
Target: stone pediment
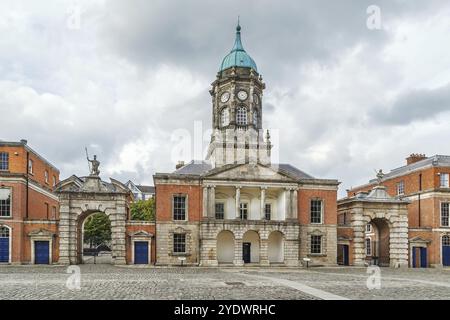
[[91, 184], [141, 234], [40, 233], [249, 172]]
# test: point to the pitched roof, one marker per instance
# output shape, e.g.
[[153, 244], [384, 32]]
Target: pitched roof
[[434, 161], [200, 167], [146, 189]]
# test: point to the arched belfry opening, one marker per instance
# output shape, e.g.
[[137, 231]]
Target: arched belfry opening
[[80, 199]]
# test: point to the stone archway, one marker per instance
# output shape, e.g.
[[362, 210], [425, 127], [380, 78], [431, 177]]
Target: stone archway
[[80, 197], [275, 251], [225, 247]]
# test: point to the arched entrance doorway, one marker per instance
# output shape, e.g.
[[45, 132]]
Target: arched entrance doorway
[[377, 242], [225, 247], [80, 198], [276, 247], [250, 247], [5, 244], [94, 238]]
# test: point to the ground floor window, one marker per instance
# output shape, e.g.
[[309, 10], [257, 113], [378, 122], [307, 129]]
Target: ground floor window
[[316, 244], [368, 247], [179, 243]]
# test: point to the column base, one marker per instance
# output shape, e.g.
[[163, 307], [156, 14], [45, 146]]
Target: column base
[[64, 261], [120, 261], [209, 263], [265, 263], [238, 263]]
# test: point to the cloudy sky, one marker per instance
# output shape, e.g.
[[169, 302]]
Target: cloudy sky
[[125, 78]]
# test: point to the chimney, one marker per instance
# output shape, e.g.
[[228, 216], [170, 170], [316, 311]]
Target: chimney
[[23, 141], [415, 157], [179, 165]]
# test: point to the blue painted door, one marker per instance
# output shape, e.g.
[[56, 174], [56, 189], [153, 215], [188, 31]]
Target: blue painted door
[[141, 252], [4, 249], [423, 257], [41, 252], [446, 255]]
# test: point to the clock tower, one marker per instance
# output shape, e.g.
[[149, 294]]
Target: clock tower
[[238, 136]]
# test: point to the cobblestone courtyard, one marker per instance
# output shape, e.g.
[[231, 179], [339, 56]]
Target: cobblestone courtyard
[[110, 282]]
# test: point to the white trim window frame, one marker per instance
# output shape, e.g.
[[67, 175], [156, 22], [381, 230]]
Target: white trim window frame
[[217, 214], [6, 202], [316, 211], [225, 117], [179, 207], [179, 243], [444, 180], [243, 210], [400, 188], [445, 214], [316, 244], [4, 161]]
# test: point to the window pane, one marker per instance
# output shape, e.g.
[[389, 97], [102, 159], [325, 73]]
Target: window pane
[[179, 208], [316, 211], [4, 161], [243, 211], [368, 247], [179, 243], [446, 241], [268, 211], [4, 232], [220, 211], [316, 244], [225, 117], [5, 202], [444, 179], [400, 188], [445, 214], [241, 116]]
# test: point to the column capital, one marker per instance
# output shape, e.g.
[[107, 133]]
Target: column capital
[[263, 187]]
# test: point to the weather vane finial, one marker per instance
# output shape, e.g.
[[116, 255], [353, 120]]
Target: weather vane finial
[[238, 28]]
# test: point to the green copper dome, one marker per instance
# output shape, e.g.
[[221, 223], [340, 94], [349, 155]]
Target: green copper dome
[[238, 57]]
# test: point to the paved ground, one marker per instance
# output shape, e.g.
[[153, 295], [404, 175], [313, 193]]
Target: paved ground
[[109, 282]]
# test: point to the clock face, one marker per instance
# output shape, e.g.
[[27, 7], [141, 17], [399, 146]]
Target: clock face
[[225, 96], [242, 95]]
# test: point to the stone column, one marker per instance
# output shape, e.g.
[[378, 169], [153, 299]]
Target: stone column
[[205, 202], [263, 203], [398, 247], [358, 224], [264, 248], [238, 261], [212, 202], [238, 201], [287, 196], [73, 236], [295, 204], [64, 235], [118, 234]]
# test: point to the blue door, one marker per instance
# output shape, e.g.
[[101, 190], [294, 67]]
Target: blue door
[[4, 249], [446, 255], [41, 252], [140, 252], [423, 257]]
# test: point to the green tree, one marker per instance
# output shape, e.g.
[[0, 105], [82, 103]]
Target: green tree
[[97, 229], [143, 210]]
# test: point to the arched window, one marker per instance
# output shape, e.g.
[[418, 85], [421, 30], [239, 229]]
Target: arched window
[[241, 116], [224, 117], [446, 240], [255, 118], [4, 232]]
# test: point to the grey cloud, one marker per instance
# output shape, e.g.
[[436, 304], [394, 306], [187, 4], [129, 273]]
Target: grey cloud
[[414, 105]]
